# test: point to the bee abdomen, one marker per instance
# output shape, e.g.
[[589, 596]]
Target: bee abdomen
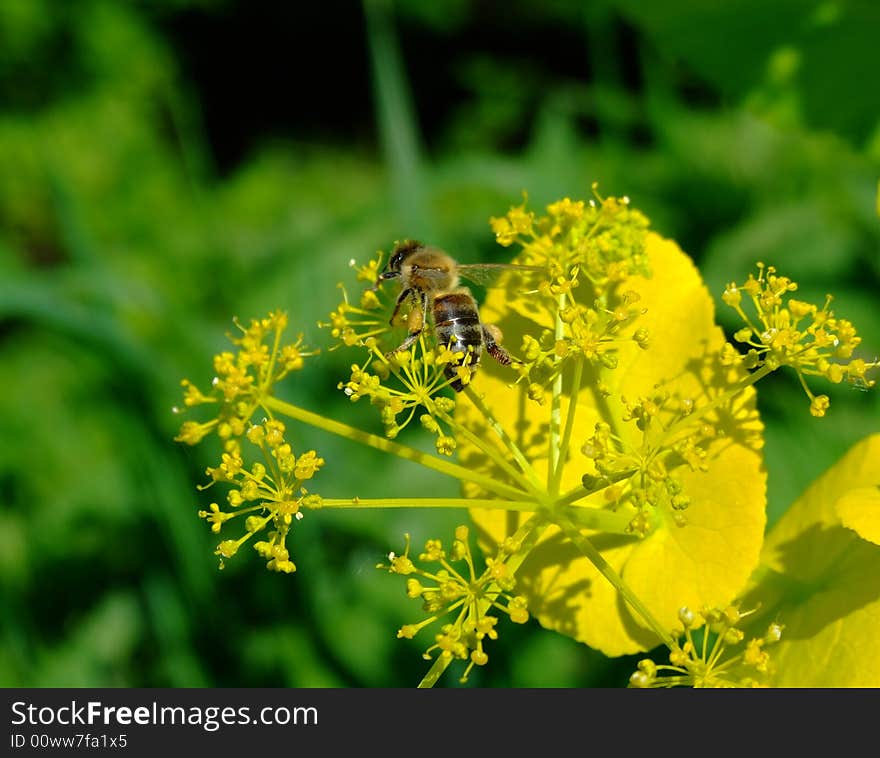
[[457, 325], [457, 322]]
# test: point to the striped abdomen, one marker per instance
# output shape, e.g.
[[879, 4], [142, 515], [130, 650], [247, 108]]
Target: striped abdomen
[[457, 325]]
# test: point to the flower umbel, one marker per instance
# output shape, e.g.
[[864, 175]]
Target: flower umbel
[[267, 494], [462, 592], [712, 652], [243, 380], [402, 384], [790, 332], [588, 250], [356, 324]]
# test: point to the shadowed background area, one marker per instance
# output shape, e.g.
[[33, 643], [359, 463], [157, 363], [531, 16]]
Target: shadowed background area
[[166, 166]]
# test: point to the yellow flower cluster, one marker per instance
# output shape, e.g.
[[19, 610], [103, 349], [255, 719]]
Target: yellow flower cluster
[[790, 332], [367, 321], [242, 380], [263, 494], [587, 250], [603, 239], [712, 653], [667, 501], [268, 492], [402, 384], [642, 474], [465, 593]]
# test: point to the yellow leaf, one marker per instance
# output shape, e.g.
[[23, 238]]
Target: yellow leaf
[[808, 540], [821, 578], [859, 510], [705, 562]]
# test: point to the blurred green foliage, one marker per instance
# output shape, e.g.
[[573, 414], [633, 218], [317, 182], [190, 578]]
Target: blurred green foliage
[[167, 166]]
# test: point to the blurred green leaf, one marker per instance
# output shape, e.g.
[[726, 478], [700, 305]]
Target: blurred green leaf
[[819, 49]]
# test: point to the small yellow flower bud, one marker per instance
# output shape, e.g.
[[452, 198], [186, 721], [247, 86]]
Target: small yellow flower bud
[[445, 445], [743, 335], [732, 296], [774, 633], [639, 680], [819, 405], [227, 548], [686, 616]]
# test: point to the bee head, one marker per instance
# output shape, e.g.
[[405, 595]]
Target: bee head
[[402, 251]]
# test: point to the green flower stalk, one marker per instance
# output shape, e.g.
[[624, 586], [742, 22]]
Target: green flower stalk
[[613, 469]]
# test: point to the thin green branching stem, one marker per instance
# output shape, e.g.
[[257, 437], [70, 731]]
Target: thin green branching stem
[[270, 370], [518, 456], [491, 452], [523, 506], [743, 384], [527, 535], [581, 491], [440, 665], [586, 547], [556, 402], [601, 402], [597, 519], [395, 448], [569, 425]]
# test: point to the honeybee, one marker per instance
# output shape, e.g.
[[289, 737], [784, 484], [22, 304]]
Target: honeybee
[[429, 279]]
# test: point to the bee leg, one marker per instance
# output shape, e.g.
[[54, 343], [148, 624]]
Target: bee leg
[[416, 322], [406, 344], [401, 298], [492, 337]]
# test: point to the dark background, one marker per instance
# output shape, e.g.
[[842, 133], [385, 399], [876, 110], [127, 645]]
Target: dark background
[[166, 166]]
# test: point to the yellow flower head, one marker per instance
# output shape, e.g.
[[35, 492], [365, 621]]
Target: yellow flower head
[[243, 379], [266, 494], [712, 651], [785, 331], [451, 585], [588, 250]]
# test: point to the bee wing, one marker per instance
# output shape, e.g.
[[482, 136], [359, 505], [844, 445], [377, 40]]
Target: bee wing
[[488, 274]]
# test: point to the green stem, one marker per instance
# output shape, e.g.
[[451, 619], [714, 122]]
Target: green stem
[[523, 506], [491, 452], [597, 519], [595, 557], [581, 491], [435, 672], [608, 522], [556, 402], [569, 425], [517, 454], [388, 446], [743, 384]]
